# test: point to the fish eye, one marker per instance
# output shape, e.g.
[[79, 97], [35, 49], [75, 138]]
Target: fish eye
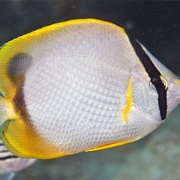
[[164, 81], [153, 88]]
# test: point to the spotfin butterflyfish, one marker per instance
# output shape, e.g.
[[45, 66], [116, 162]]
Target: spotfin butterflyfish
[[80, 85]]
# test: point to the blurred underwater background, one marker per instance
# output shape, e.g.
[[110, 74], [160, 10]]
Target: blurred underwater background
[[156, 24]]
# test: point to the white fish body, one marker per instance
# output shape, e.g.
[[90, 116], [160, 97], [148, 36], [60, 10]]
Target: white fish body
[[81, 85]]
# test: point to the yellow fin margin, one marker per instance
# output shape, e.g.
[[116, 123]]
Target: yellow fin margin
[[21, 139], [27, 144], [18, 127], [23, 43], [107, 146]]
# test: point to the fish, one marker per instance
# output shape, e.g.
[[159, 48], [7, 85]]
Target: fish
[[79, 86], [10, 164]]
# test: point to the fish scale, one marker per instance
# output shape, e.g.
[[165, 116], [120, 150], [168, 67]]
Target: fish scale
[[85, 85]]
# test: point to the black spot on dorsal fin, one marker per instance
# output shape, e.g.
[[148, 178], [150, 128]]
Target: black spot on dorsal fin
[[17, 66]]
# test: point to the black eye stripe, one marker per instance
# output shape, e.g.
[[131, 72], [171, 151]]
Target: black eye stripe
[[154, 75]]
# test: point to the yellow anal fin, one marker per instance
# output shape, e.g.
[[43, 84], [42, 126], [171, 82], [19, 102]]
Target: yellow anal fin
[[112, 145], [23, 141]]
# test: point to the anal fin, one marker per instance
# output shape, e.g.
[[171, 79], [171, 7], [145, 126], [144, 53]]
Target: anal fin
[[111, 145]]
